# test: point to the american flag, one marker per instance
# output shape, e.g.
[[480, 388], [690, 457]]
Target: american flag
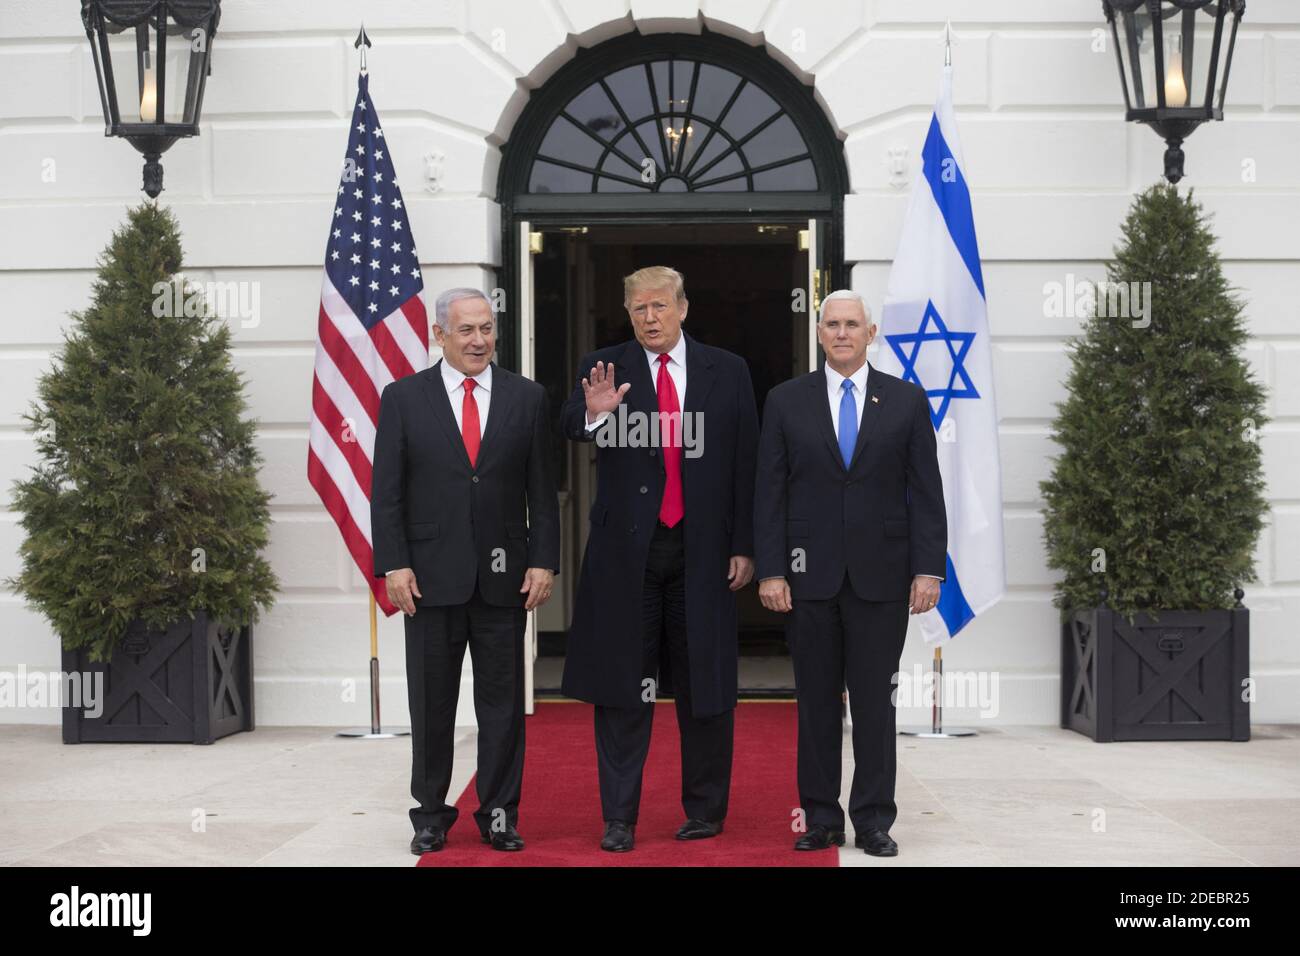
[[372, 329]]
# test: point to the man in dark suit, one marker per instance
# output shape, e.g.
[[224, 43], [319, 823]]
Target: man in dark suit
[[671, 541], [851, 534], [463, 466]]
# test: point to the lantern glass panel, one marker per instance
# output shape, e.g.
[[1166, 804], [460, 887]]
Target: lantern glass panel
[[1189, 42], [1225, 49], [1133, 94], [136, 73], [1139, 47]]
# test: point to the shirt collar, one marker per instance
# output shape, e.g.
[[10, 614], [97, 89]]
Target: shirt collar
[[834, 379], [452, 377], [677, 353]]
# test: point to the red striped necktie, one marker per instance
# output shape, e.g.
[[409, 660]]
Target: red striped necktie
[[673, 507]]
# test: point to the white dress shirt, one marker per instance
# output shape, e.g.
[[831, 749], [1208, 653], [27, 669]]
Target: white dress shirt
[[834, 392], [676, 371], [454, 380], [834, 395]]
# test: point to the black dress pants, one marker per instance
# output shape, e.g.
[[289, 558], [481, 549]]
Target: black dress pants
[[436, 638], [623, 734], [846, 639]]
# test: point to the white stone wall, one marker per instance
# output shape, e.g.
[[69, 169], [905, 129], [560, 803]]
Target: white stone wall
[[1052, 165]]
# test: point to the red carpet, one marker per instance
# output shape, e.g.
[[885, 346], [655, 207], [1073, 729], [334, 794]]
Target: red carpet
[[559, 813]]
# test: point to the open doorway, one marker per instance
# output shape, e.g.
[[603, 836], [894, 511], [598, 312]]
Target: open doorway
[[695, 150], [747, 288]]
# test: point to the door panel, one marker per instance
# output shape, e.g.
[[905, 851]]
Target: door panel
[[527, 368], [818, 285]]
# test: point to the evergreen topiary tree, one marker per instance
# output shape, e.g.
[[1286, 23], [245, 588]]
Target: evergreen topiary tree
[[145, 505], [1160, 466]]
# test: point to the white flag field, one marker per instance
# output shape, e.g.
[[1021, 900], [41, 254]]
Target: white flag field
[[934, 331]]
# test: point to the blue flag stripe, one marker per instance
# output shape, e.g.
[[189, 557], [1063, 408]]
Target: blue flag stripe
[[952, 198], [954, 610]]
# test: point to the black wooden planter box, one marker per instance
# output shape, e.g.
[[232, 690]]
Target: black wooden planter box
[[1179, 678], [190, 684]]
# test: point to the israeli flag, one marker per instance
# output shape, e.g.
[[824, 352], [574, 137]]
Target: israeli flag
[[934, 331]]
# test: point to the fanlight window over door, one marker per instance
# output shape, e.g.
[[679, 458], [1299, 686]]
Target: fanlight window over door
[[672, 125]]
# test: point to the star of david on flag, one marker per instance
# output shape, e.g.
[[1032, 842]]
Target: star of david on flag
[[907, 345], [935, 328]]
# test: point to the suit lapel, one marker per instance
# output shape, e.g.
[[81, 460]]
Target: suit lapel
[[699, 377], [821, 413], [871, 405], [436, 392], [498, 409], [633, 367]]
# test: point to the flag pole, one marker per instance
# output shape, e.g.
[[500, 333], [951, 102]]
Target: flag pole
[[361, 43], [376, 731], [936, 728]]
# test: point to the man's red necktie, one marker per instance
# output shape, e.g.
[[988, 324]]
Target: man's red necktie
[[673, 507], [469, 427]]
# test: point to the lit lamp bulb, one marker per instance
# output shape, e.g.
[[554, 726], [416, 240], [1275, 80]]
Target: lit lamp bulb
[[676, 136], [149, 96], [1175, 88]]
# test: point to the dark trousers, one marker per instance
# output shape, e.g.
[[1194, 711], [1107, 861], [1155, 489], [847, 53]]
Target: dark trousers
[[833, 641], [435, 649], [623, 735]]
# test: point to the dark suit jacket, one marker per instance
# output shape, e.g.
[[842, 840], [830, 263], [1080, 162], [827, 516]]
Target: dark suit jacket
[[882, 519], [452, 524], [603, 659]]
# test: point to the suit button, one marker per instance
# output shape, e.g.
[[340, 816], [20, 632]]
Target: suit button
[[652, 452], [644, 489], [475, 479]]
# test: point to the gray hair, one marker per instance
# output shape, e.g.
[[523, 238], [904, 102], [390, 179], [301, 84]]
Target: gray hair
[[442, 308], [840, 294]]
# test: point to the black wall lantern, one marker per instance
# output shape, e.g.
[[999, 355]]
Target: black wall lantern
[[152, 59], [1173, 64]]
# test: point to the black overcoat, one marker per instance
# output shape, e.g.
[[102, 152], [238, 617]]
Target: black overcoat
[[603, 658]]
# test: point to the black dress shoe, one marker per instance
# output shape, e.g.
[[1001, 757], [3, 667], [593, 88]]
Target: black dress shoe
[[618, 836], [876, 842], [819, 838], [698, 830], [507, 839], [428, 840]]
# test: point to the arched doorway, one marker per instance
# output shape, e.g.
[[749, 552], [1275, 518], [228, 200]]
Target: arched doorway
[[699, 152], [750, 144]]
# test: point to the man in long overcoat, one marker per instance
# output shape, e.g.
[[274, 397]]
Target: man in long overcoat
[[671, 541]]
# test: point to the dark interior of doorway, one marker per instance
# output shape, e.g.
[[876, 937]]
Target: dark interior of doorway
[[741, 280]]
